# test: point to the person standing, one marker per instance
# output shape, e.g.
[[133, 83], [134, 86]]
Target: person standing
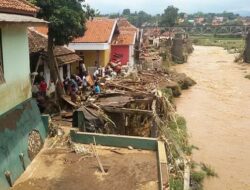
[[43, 87], [97, 89], [82, 68]]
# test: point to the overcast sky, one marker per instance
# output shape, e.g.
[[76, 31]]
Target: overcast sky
[[157, 6]]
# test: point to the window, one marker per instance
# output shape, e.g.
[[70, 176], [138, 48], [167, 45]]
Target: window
[[1, 60]]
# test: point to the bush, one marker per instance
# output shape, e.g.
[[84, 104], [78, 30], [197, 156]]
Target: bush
[[175, 184], [198, 177]]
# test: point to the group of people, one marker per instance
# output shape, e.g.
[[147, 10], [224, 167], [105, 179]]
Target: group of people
[[76, 84]]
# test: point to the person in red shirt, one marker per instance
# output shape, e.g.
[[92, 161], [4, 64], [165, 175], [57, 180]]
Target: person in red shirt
[[43, 87]]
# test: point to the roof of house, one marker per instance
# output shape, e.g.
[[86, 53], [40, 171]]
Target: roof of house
[[42, 29], [125, 25], [127, 33], [39, 42], [99, 30], [18, 7], [13, 18], [124, 38]]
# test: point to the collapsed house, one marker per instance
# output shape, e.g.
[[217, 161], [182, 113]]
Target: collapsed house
[[68, 61]]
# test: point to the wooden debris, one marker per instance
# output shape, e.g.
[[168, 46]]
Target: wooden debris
[[68, 100], [126, 110], [97, 156]]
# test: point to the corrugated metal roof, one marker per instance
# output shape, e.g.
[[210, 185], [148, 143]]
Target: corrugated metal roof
[[13, 18]]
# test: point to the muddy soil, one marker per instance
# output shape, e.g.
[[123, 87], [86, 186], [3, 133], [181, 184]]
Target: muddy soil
[[217, 111], [61, 169]]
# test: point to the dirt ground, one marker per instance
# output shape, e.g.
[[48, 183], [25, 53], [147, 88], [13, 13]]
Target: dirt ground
[[217, 111], [62, 169]]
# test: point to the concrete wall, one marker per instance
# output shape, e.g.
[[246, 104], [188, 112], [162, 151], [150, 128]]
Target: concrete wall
[[17, 87], [15, 126], [107, 56], [131, 55], [90, 56], [123, 51]]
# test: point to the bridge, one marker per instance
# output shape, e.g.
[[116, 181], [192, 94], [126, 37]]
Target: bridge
[[208, 29]]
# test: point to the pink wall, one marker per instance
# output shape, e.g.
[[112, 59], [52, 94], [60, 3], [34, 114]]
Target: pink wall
[[120, 50]]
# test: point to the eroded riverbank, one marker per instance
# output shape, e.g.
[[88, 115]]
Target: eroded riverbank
[[217, 111]]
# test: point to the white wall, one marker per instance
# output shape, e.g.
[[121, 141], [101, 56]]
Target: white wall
[[17, 87]]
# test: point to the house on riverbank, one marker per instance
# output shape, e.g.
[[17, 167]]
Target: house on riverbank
[[123, 43], [94, 47], [22, 128]]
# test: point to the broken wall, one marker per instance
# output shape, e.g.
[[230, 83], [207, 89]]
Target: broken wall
[[15, 128]]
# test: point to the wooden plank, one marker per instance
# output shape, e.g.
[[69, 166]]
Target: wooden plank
[[163, 167], [186, 177], [162, 152], [68, 100], [126, 110]]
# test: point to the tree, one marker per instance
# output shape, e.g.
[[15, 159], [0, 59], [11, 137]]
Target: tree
[[67, 20], [126, 12], [169, 17]]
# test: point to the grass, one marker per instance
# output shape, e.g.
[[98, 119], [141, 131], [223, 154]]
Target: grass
[[198, 176], [208, 170], [175, 184], [178, 131], [233, 45]]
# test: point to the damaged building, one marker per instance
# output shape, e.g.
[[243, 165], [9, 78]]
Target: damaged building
[[68, 61], [22, 128]]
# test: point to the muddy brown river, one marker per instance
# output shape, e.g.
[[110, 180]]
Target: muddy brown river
[[217, 111]]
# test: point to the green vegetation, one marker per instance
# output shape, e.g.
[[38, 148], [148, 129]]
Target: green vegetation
[[178, 131], [175, 184], [233, 45], [208, 170], [198, 173], [198, 176], [169, 17]]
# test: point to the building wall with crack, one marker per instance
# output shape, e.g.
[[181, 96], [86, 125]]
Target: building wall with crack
[[19, 144]]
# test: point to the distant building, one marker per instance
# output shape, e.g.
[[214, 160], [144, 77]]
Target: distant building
[[217, 21], [246, 21], [199, 20], [20, 119]]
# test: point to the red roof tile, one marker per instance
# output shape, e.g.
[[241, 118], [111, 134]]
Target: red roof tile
[[18, 7], [124, 38], [125, 25], [99, 30], [42, 29]]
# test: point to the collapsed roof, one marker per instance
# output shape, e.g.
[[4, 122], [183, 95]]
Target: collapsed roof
[[39, 42]]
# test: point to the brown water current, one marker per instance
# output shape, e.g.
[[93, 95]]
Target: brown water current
[[217, 111]]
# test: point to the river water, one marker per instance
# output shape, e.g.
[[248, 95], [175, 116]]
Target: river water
[[217, 111]]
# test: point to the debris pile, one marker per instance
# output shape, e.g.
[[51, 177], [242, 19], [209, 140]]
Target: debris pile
[[125, 105], [150, 58]]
